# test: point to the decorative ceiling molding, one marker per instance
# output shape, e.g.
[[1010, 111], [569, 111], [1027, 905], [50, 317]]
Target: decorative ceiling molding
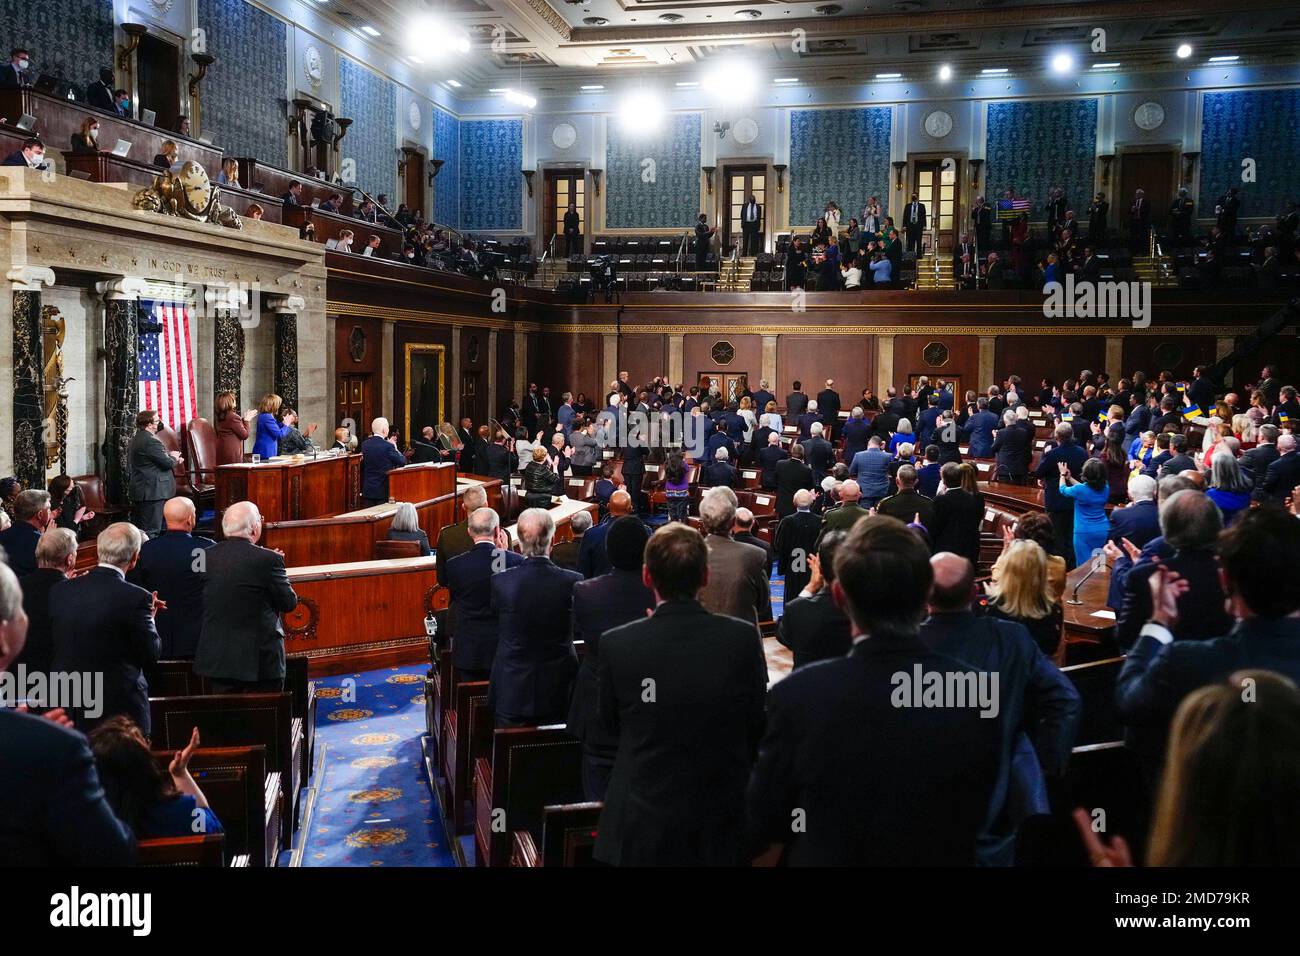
[[552, 18]]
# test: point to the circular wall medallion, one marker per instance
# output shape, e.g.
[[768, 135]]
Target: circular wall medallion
[[938, 124], [413, 114], [564, 135], [745, 131], [1149, 116], [313, 65], [724, 353], [935, 355]]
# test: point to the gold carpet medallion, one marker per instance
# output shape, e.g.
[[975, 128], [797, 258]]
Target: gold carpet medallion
[[377, 795], [374, 740], [378, 836], [373, 763], [404, 679], [350, 714]]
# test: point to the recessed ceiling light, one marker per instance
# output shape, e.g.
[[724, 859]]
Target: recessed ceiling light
[[945, 72], [520, 99], [1105, 66], [454, 83], [371, 30], [786, 79], [496, 89], [888, 76], [995, 71], [688, 83], [1184, 51], [1225, 59], [593, 86], [415, 59], [1062, 63]]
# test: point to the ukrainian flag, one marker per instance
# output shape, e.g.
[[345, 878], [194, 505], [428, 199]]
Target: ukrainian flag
[[1192, 411], [1102, 417]]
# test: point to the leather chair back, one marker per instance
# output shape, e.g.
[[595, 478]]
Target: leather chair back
[[173, 442], [201, 438], [396, 549]]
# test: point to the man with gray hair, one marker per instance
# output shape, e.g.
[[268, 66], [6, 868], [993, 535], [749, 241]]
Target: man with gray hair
[[565, 554], [31, 518], [1283, 474], [796, 543], [535, 664], [56, 556], [468, 577], [1139, 521], [455, 539], [172, 565], [245, 590], [102, 624], [737, 585], [719, 472], [379, 456]]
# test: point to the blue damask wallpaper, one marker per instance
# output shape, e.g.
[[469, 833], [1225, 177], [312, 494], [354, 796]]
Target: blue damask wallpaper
[[371, 103], [491, 156], [1033, 146], [446, 188], [840, 155], [69, 37], [1263, 125], [243, 94], [670, 198]]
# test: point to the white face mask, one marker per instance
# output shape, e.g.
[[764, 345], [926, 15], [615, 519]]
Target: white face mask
[[36, 160], [94, 132], [22, 65]]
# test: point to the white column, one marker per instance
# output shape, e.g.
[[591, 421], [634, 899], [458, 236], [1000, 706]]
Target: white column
[[768, 370], [1115, 356], [493, 409], [988, 344], [676, 347], [387, 384], [885, 364], [452, 410]]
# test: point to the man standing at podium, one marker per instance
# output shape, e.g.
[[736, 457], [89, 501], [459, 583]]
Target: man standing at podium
[[379, 456]]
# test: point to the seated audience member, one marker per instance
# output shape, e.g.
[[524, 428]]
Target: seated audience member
[[342, 440], [454, 539], [1038, 708], [1022, 592], [1160, 671], [737, 583], [1037, 527], [67, 504], [908, 504], [31, 154], [796, 542], [372, 248], [52, 806], [592, 559], [719, 472], [169, 155], [293, 441], [152, 802], [293, 197], [229, 175], [744, 533], [958, 513], [1228, 793], [565, 554], [676, 796], [85, 141], [406, 527], [534, 667], [172, 566], [813, 626], [32, 516], [103, 624], [1283, 475], [56, 558], [245, 590], [255, 211], [468, 577], [1190, 524], [601, 604], [1090, 495], [834, 730], [1229, 491]]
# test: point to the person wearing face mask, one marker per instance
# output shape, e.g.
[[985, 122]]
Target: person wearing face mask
[[86, 139], [15, 74], [31, 155], [100, 93], [122, 102]]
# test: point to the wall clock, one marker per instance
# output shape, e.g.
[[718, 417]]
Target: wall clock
[[938, 124], [564, 135]]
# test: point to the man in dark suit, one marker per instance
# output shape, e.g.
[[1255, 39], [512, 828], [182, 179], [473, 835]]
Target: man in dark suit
[[634, 474], [1255, 462], [498, 459], [16, 74], [19, 540], [1201, 390], [796, 543], [751, 225], [982, 217], [1259, 554], [1139, 223], [908, 504], [769, 456], [294, 195], [813, 626], [1039, 708], [829, 405], [743, 532], [468, 578], [426, 447], [683, 693], [1139, 520], [796, 403], [52, 807], [836, 729], [792, 475], [593, 558], [762, 397], [808, 419], [818, 452], [100, 93], [849, 512], [535, 664], [379, 456], [153, 479], [857, 433], [454, 539], [171, 565], [1059, 508], [1013, 449], [914, 224], [102, 624], [1283, 475], [1179, 461], [565, 554], [56, 557], [601, 604], [719, 472], [245, 590], [737, 584]]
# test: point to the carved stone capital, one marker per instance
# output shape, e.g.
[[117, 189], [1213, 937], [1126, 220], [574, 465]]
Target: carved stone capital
[[127, 287], [225, 296], [292, 304], [30, 278]]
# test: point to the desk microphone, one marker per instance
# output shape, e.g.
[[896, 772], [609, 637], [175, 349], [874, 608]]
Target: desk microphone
[[1099, 562]]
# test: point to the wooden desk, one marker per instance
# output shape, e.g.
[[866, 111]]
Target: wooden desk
[[1092, 622], [287, 489], [421, 482], [275, 183], [563, 514], [330, 224]]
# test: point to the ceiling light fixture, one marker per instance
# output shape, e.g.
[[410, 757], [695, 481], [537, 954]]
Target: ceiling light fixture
[[370, 30], [786, 79], [520, 99], [1184, 51], [641, 112], [1062, 63], [1105, 66], [995, 71], [1225, 59], [889, 76], [945, 73], [593, 86]]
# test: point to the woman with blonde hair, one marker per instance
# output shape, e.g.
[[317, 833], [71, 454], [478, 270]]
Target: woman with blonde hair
[[540, 481], [86, 139], [1022, 592], [771, 417], [269, 428], [229, 175], [231, 428]]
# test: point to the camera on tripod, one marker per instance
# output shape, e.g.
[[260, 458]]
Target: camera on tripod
[[604, 273]]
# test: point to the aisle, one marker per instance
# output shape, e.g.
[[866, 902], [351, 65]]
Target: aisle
[[373, 806]]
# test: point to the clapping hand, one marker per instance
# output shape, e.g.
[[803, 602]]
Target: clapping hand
[[158, 604], [1063, 468], [1166, 588], [1101, 853]]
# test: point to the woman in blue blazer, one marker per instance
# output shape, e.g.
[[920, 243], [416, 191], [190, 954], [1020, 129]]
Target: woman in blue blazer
[[269, 427]]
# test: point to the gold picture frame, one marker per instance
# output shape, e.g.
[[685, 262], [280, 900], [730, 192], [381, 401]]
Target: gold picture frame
[[417, 361]]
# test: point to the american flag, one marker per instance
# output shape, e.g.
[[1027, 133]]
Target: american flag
[[1012, 208], [167, 364]]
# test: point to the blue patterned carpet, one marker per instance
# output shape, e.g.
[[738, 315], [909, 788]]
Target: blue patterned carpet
[[777, 586], [373, 806]]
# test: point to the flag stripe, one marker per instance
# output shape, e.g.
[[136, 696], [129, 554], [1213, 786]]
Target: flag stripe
[[167, 365]]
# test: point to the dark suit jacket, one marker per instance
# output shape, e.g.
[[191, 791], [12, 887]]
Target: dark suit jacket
[[152, 475], [796, 541], [828, 406], [245, 590], [468, 578], [820, 457], [1138, 521], [593, 560], [791, 475], [532, 675], [1074, 455], [1013, 449], [906, 505], [877, 784], [1200, 610], [746, 537], [1254, 466], [565, 554], [38, 652], [599, 606], [676, 796], [378, 458], [102, 623], [52, 806], [769, 456], [499, 461], [795, 405], [957, 518], [19, 542], [172, 564], [814, 628], [1281, 478], [857, 433], [11, 79], [425, 451]]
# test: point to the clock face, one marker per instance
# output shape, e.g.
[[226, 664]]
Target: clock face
[[413, 114], [745, 131], [313, 65], [938, 124], [564, 136], [1149, 116]]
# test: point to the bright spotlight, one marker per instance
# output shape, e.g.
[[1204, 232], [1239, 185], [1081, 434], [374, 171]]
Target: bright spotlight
[[1062, 63], [733, 80], [641, 112], [945, 73], [1184, 50], [520, 99], [431, 35]]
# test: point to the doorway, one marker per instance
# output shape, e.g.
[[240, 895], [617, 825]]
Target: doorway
[[1153, 170], [730, 384], [413, 179], [743, 182], [158, 67], [935, 182], [564, 186], [355, 403], [471, 397]]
